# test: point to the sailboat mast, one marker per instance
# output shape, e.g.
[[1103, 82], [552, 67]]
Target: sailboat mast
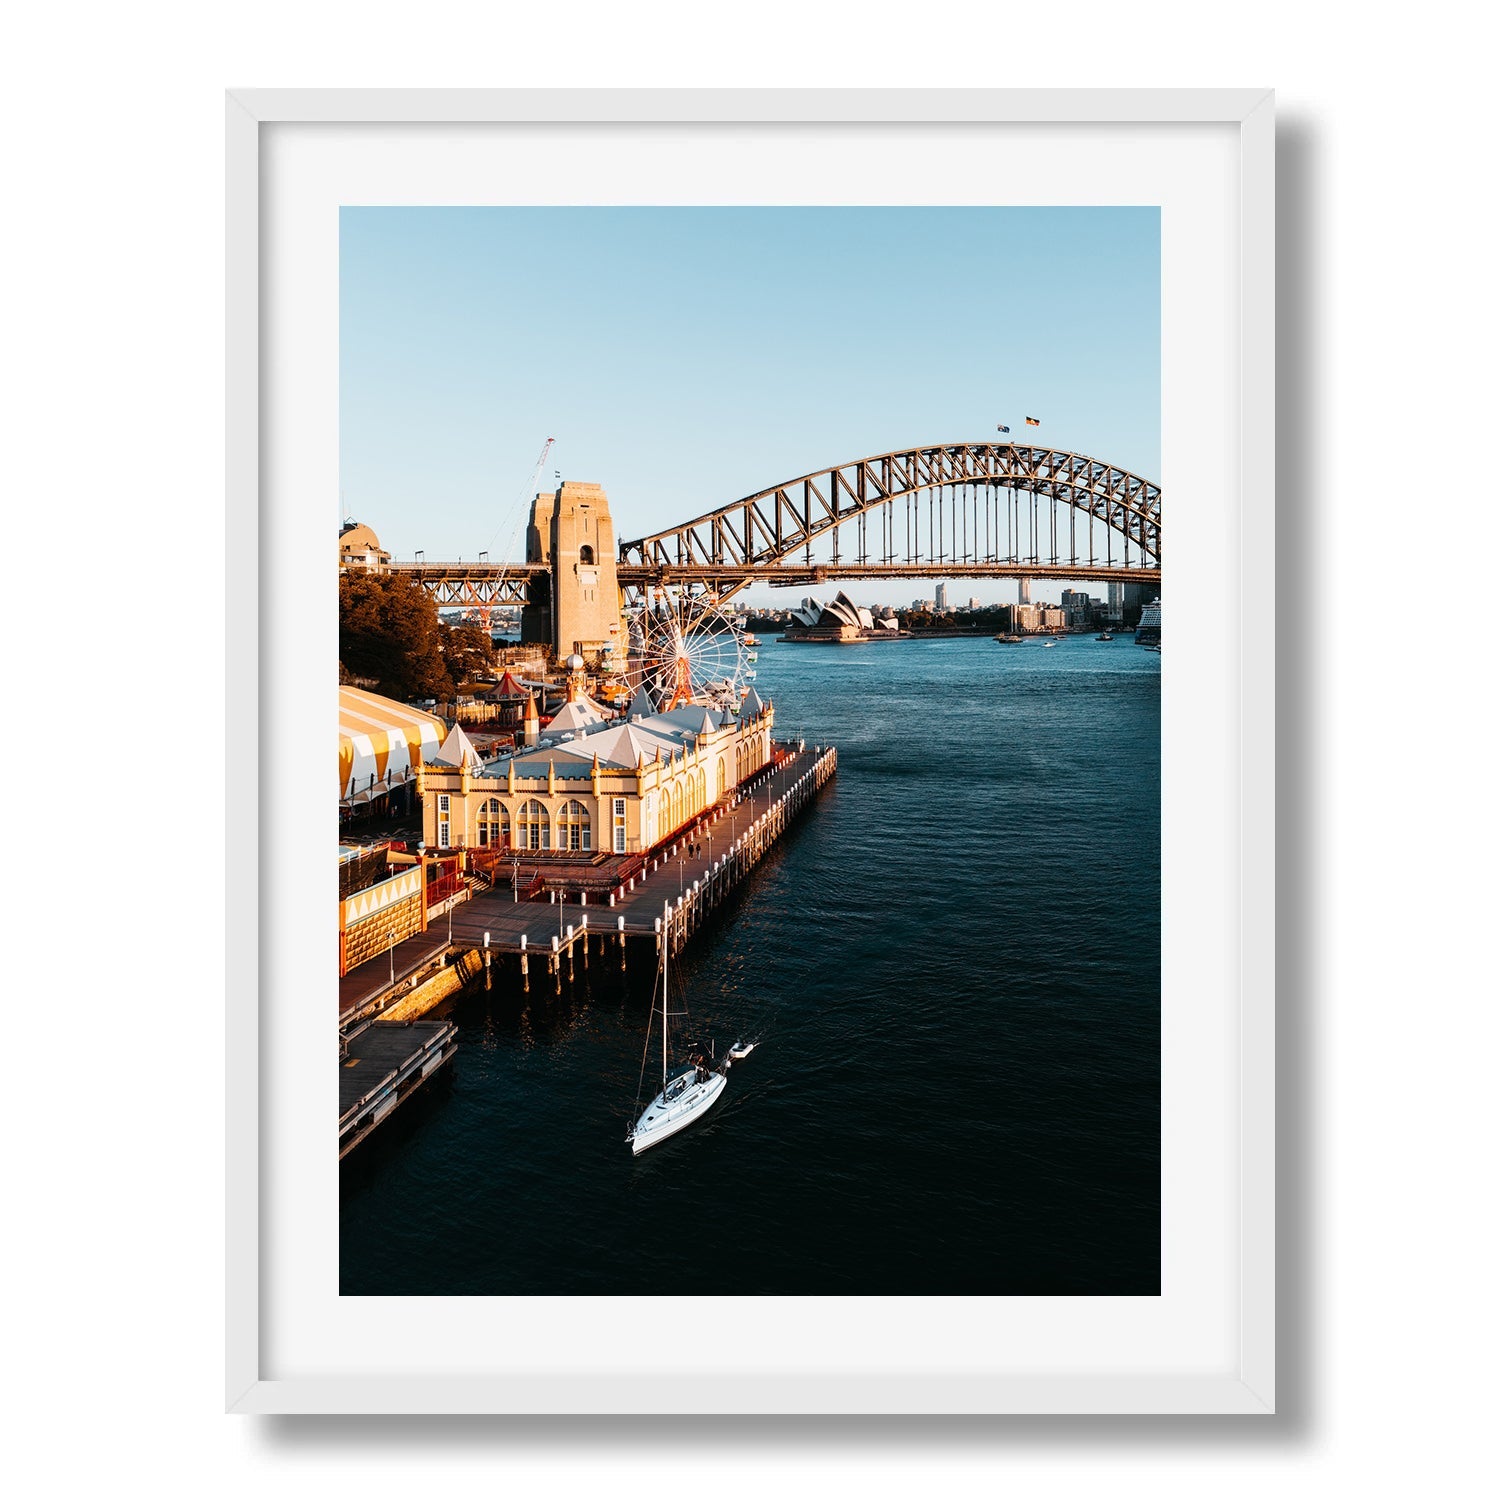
[[666, 948]]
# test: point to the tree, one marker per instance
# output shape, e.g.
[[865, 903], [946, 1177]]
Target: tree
[[389, 633], [468, 651]]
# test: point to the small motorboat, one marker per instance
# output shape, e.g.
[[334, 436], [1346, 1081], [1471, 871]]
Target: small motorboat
[[1105, 637], [741, 1050]]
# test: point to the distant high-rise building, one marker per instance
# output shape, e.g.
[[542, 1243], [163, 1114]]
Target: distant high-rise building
[[1023, 596], [1077, 606], [1134, 598], [941, 596], [973, 604]]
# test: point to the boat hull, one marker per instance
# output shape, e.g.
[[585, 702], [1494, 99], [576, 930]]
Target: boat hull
[[663, 1120]]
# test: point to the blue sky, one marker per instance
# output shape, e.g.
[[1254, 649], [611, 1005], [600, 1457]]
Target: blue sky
[[684, 357]]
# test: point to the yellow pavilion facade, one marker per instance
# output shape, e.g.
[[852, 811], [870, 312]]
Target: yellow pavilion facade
[[593, 784]]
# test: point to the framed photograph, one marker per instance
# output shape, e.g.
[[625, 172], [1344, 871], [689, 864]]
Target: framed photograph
[[774, 750]]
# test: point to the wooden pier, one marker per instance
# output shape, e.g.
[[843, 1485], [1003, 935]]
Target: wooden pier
[[692, 875], [382, 1062], [381, 1065]]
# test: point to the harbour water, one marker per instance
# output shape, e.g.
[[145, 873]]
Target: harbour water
[[953, 964]]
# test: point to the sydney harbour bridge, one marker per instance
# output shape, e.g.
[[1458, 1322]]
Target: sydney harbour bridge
[[949, 510]]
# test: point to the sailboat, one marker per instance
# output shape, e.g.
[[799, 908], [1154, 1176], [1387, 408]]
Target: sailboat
[[687, 1091]]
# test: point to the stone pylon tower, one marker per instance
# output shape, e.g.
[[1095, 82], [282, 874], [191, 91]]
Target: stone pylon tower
[[571, 529]]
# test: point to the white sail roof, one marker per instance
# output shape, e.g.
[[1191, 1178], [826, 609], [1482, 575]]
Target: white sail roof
[[842, 610]]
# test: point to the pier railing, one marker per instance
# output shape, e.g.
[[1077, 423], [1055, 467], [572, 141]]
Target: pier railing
[[751, 846]]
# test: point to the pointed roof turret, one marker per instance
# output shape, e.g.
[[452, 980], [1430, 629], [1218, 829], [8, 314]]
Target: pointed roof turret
[[458, 750], [576, 714]]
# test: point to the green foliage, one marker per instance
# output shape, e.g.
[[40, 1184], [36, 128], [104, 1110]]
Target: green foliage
[[389, 634], [468, 651]]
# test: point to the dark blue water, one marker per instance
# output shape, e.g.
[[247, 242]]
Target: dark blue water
[[954, 960]]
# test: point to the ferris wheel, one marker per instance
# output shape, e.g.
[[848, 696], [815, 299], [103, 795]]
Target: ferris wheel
[[687, 650]]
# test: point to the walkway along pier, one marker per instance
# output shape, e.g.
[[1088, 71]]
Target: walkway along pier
[[387, 1051], [692, 874], [381, 1064]]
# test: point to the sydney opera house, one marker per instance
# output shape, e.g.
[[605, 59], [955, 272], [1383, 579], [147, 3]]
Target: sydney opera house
[[840, 620]]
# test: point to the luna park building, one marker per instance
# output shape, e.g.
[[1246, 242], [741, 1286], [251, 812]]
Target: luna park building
[[593, 783]]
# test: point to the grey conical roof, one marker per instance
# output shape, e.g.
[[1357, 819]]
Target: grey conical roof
[[458, 750]]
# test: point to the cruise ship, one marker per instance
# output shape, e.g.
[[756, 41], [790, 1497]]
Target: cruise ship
[[1148, 632]]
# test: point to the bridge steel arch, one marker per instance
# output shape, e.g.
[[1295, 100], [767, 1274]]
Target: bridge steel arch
[[766, 528]]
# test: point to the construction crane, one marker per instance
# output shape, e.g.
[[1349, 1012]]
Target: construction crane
[[522, 509]]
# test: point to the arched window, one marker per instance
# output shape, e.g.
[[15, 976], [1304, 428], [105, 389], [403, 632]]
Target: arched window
[[586, 555], [573, 827], [494, 824], [677, 805], [702, 790], [533, 826], [719, 795]]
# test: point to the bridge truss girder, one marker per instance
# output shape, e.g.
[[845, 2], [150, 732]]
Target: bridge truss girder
[[477, 585], [763, 529]]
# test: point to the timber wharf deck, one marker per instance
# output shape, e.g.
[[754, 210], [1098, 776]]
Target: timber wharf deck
[[381, 1065], [730, 839], [693, 874], [382, 1062]]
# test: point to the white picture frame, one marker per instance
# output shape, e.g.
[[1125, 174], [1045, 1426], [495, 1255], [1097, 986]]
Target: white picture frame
[[264, 586]]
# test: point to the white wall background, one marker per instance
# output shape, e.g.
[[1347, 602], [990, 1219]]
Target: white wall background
[[113, 357]]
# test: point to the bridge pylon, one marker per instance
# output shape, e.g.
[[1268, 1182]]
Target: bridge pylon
[[576, 605]]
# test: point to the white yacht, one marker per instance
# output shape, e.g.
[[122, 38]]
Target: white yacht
[[687, 1091]]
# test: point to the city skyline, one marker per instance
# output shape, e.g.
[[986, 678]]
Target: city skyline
[[684, 357]]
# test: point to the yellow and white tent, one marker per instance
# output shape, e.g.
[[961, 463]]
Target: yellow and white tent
[[381, 743]]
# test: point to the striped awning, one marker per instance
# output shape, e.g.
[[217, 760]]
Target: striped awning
[[380, 740]]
